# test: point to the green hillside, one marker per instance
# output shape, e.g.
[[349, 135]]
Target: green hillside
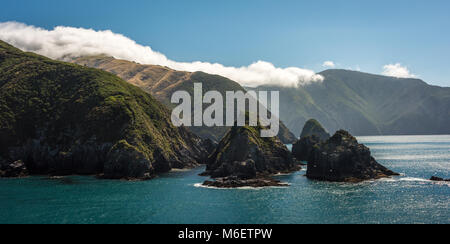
[[62, 118]]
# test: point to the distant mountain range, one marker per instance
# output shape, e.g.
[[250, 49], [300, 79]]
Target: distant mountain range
[[162, 82], [366, 104]]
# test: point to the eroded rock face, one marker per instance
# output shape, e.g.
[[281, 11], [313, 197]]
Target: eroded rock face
[[314, 128], [15, 169], [343, 159], [243, 155]]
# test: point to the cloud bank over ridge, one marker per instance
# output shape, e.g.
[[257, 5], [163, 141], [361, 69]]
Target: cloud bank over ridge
[[65, 43], [398, 71]]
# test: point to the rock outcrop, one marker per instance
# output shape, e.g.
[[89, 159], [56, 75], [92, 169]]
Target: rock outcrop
[[243, 158], [60, 118], [303, 149], [434, 178], [14, 169], [342, 159], [312, 134], [314, 128]]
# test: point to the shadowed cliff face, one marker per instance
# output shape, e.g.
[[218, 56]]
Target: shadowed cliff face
[[61, 118], [162, 82], [366, 104]]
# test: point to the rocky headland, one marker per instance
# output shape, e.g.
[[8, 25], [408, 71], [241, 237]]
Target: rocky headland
[[59, 118]]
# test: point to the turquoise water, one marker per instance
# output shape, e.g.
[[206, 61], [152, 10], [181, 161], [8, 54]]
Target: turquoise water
[[175, 197]]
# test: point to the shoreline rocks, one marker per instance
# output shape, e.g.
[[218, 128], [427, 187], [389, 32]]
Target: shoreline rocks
[[235, 182], [16, 169], [434, 178]]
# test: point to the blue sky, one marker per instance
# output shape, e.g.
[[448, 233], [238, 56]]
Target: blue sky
[[361, 34]]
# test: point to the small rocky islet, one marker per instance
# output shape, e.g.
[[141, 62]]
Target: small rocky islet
[[439, 179], [243, 158], [312, 127], [339, 158]]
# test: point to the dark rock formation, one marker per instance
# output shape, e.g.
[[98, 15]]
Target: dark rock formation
[[314, 128], [303, 149], [235, 182], [15, 169], [434, 178], [243, 155], [60, 119], [209, 145], [343, 159]]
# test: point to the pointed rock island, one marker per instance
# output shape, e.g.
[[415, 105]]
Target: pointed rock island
[[58, 118], [243, 158], [312, 134], [339, 158], [313, 127], [342, 159]]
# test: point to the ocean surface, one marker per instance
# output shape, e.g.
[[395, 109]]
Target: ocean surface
[[176, 197]]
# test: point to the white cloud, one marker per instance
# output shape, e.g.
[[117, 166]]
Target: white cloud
[[329, 64], [65, 43], [397, 70], [355, 68]]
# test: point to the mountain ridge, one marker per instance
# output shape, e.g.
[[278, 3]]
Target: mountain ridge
[[367, 104]]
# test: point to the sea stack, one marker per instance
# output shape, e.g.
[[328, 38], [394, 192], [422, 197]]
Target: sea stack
[[313, 127], [342, 159], [243, 158], [312, 134]]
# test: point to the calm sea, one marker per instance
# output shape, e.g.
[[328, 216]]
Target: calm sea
[[177, 198]]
